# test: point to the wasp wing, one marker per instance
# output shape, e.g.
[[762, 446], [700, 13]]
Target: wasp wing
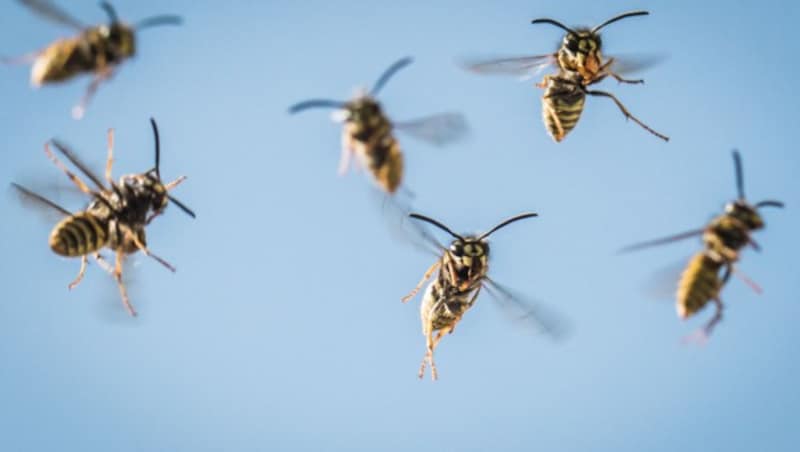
[[663, 240], [53, 13], [527, 312], [440, 130], [37, 201], [523, 67], [636, 62]]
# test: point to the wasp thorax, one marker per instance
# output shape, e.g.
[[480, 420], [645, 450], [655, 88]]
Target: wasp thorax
[[144, 192], [745, 213]]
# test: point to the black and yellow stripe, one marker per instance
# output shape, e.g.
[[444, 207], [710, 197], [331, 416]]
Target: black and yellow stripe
[[699, 283], [562, 105], [78, 235]]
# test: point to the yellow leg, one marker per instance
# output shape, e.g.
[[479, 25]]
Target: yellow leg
[[74, 178], [122, 290], [425, 277], [81, 272], [80, 109], [174, 183], [347, 151], [103, 263], [110, 159]]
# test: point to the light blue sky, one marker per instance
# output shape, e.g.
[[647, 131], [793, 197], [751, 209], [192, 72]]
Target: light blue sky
[[283, 329]]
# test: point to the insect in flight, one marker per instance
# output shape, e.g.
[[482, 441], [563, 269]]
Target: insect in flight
[[723, 239], [579, 63], [115, 217], [98, 50], [369, 134], [461, 272]]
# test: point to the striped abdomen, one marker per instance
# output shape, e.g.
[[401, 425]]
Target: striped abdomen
[[562, 105], [78, 235], [443, 306], [699, 283]]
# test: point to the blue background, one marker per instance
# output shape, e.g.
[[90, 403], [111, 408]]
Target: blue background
[[283, 330]]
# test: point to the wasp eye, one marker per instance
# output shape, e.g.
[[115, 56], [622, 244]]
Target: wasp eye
[[571, 43]]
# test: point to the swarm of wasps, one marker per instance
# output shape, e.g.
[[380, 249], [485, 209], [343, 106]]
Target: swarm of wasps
[[118, 213]]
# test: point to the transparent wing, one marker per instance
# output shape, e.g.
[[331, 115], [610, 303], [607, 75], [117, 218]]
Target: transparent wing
[[51, 211], [636, 62], [440, 129], [662, 284], [524, 67], [663, 240], [527, 312], [53, 13]]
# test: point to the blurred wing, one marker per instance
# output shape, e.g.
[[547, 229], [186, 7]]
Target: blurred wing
[[632, 63], [440, 130], [662, 241], [662, 284], [53, 13], [528, 313], [51, 210], [523, 67]]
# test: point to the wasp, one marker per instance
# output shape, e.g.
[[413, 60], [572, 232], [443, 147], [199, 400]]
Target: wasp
[[461, 272], [579, 63], [115, 217], [723, 240], [369, 133], [96, 50]]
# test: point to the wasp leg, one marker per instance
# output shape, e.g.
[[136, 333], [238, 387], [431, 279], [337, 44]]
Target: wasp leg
[[110, 158], [431, 344], [169, 186], [618, 78], [605, 70], [122, 290], [746, 279], [80, 109], [425, 277], [74, 178], [347, 151], [81, 272], [147, 253], [101, 261], [625, 112]]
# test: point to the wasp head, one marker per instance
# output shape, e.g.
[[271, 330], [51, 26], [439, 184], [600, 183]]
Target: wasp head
[[580, 51], [364, 109], [746, 213], [145, 193]]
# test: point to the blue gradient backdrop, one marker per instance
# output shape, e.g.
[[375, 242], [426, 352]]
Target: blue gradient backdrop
[[283, 329]]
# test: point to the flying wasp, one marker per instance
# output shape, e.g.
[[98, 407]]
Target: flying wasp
[[461, 272], [98, 50], [579, 63], [116, 216], [723, 239], [369, 134]]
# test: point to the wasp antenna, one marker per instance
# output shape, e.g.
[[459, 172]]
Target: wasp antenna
[[621, 16], [435, 223], [158, 146], [166, 19], [112, 13], [737, 163], [507, 222], [553, 22], [389, 73], [770, 203], [182, 206], [315, 103]]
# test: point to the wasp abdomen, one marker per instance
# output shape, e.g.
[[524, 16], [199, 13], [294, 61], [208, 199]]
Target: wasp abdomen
[[699, 283], [78, 235], [562, 105]]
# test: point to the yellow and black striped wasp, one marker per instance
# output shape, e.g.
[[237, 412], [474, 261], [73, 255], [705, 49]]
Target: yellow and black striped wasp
[[96, 50], [580, 63], [369, 134], [461, 272], [723, 240], [116, 216]]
